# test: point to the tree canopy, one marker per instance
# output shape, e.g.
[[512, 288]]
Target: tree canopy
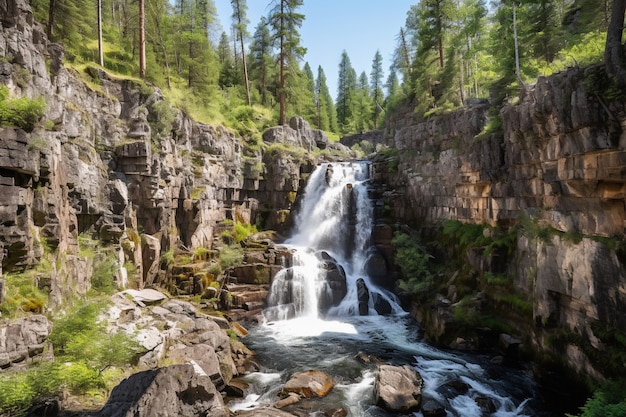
[[448, 51]]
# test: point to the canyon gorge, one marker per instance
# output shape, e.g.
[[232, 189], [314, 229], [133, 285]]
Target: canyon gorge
[[112, 165]]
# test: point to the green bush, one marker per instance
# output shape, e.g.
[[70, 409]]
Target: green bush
[[608, 401], [414, 262], [22, 295], [21, 112], [243, 230], [103, 277], [230, 256]]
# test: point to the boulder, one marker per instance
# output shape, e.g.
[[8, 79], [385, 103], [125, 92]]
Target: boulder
[[398, 388], [363, 296], [309, 384], [381, 305], [178, 390], [23, 339], [432, 408], [264, 412], [335, 287]]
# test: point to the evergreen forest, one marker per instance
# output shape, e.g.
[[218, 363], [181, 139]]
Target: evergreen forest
[[449, 53]]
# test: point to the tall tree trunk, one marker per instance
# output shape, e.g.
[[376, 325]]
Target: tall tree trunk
[[614, 50], [100, 52], [405, 51], [281, 81], [518, 73], [440, 46], [142, 39], [51, 8], [245, 69]]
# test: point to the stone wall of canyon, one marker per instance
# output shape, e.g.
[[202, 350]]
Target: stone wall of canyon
[[559, 161]]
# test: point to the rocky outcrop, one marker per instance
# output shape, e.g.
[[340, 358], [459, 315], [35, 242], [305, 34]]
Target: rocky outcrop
[[23, 340], [374, 137], [398, 388], [309, 384], [177, 390], [557, 164], [115, 160]]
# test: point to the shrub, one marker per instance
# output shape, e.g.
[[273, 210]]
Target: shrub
[[21, 112], [22, 295], [243, 230], [231, 255], [418, 280], [608, 401]]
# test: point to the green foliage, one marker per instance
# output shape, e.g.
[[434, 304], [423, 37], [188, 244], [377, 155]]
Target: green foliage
[[418, 280], [167, 258], [83, 349], [465, 234], [607, 401], [104, 272], [23, 295], [533, 229], [81, 336], [21, 112], [231, 255], [243, 230]]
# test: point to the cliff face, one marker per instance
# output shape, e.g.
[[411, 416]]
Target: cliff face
[[113, 159], [560, 161]]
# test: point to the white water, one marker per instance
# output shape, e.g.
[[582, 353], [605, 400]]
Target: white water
[[336, 216]]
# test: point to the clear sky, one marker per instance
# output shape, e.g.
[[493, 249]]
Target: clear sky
[[360, 27]]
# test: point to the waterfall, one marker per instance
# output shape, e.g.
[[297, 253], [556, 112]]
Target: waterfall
[[325, 274], [323, 309]]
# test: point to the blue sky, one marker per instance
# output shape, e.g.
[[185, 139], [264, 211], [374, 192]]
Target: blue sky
[[360, 27]]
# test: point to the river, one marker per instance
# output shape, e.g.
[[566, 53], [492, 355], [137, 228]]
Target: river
[[317, 320]]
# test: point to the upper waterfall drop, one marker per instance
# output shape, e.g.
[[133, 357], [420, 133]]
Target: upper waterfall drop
[[330, 245]]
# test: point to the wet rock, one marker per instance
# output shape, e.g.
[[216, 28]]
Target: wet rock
[[336, 412], [398, 388], [432, 408], [363, 296], [264, 412], [236, 388], [381, 305], [335, 284], [178, 390], [290, 399], [486, 404], [309, 384], [510, 346]]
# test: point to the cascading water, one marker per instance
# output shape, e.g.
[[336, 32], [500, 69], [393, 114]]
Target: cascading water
[[326, 276], [323, 308]]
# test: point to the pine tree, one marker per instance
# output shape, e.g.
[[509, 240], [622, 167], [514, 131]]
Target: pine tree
[[240, 22], [261, 62], [346, 88], [376, 79], [394, 92], [285, 22], [325, 108], [302, 101], [228, 75], [363, 105]]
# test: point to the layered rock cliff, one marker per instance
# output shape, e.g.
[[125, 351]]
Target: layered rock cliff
[[113, 160], [558, 163]]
